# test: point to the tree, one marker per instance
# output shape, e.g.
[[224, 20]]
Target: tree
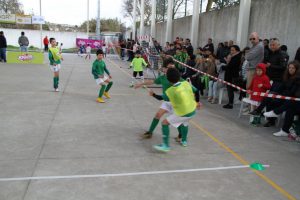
[[11, 6], [113, 25], [161, 9], [218, 4]]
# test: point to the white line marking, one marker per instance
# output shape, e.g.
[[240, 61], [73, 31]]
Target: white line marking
[[124, 174]]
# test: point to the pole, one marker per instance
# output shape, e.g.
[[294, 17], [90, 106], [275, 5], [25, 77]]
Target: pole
[[195, 23], [142, 17], [153, 14], [98, 22], [169, 21], [88, 18], [134, 20], [185, 9], [41, 27]]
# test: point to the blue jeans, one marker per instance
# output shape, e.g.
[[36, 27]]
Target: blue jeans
[[212, 90], [3, 54], [23, 48]]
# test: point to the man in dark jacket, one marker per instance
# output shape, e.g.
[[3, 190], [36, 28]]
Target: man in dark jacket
[[3, 46], [276, 63], [209, 46], [297, 57]]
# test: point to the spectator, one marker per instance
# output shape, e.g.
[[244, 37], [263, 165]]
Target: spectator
[[3, 46], [284, 50], [46, 43], [287, 88], [221, 52], [276, 64], [254, 56], [260, 83], [172, 50], [291, 107], [189, 47], [297, 57], [243, 75], [226, 50], [209, 46], [23, 42], [167, 47], [230, 43], [212, 84], [232, 72], [123, 47], [267, 49]]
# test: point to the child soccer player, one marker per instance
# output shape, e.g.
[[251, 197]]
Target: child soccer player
[[88, 52], [55, 61], [165, 106], [183, 102], [98, 70], [137, 64]]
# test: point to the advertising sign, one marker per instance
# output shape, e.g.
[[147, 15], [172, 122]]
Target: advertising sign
[[7, 18], [25, 57], [38, 20], [23, 19], [93, 43]]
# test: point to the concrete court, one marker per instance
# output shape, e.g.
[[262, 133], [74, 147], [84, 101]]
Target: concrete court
[[43, 133]]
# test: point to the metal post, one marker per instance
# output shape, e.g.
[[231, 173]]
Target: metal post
[[164, 10], [88, 18], [153, 21], [41, 27], [134, 20], [195, 23], [169, 21], [98, 22], [185, 9], [142, 17]]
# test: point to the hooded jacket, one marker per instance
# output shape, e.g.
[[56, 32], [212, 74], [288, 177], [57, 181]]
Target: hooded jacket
[[257, 80]]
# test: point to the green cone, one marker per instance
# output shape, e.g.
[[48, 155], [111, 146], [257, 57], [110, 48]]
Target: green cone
[[257, 166]]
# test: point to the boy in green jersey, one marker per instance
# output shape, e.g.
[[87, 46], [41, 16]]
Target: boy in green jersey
[[55, 59], [138, 63], [182, 99], [165, 106], [98, 70]]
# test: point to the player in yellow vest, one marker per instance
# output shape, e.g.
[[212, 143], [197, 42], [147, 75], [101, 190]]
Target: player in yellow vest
[[55, 59], [182, 99]]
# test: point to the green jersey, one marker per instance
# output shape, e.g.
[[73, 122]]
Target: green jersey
[[163, 81], [137, 64], [98, 69], [54, 56]]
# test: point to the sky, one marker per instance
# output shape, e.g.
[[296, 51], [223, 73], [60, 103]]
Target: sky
[[74, 12]]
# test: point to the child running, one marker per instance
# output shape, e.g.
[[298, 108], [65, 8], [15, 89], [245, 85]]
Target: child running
[[137, 63], [98, 70], [165, 106], [88, 52], [55, 59], [184, 106]]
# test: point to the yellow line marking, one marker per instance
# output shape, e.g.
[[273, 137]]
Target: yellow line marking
[[236, 155], [244, 162]]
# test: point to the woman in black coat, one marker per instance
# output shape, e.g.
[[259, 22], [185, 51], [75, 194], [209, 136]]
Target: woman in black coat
[[232, 72]]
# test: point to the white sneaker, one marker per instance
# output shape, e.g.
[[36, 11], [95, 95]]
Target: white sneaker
[[56, 90], [270, 114], [281, 133]]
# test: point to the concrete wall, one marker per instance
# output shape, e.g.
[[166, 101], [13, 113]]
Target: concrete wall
[[67, 38], [270, 18]]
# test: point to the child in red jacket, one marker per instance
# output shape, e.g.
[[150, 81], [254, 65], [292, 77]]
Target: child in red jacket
[[260, 83]]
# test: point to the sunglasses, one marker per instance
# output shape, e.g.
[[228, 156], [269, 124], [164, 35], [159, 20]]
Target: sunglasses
[[252, 39]]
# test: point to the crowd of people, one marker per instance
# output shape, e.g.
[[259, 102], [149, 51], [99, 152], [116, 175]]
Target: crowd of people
[[263, 67]]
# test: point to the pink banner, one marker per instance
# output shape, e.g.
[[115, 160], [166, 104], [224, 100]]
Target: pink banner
[[93, 43]]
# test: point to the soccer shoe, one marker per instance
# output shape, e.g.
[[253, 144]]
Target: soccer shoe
[[162, 148], [184, 143], [146, 135], [131, 85], [270, 114], [106, 95], [100, 100], [281, 133]]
